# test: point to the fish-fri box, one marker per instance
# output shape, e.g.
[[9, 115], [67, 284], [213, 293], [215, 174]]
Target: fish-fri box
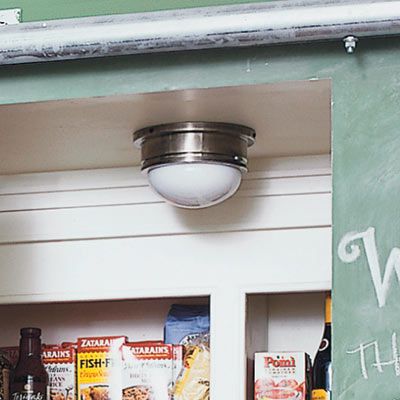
[[282, 375], [99, 365]]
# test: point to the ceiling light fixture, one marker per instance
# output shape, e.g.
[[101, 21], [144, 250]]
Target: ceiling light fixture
[[194, 164]]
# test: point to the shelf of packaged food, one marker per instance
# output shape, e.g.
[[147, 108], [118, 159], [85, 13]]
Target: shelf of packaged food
[[285, 322], [113, 346], [273, 322]]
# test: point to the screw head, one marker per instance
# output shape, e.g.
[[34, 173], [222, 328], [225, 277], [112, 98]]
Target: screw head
[[350, 44]]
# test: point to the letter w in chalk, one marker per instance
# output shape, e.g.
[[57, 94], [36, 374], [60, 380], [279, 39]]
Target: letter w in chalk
[[349, 252]]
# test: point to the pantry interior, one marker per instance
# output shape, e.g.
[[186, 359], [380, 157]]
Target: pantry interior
[[87, 249]]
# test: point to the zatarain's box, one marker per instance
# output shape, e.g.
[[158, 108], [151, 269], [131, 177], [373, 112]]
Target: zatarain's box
[[99, 365], [282, 375], [59, 362], [147, 371]]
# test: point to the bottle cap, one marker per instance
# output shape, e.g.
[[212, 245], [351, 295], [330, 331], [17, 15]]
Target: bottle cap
[[328, 309], [31, 332]]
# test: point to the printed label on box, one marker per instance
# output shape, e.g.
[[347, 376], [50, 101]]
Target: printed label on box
[[59, 362], [280, 376], [99, 365], [147, 371]]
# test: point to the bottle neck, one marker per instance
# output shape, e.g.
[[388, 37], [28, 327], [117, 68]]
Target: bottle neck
[[327, 329], [30, 348]]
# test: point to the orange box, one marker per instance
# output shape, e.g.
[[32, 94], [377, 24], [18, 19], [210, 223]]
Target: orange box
[[59, 362]]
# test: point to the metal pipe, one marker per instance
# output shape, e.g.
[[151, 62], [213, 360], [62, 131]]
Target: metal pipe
[[199, 28]]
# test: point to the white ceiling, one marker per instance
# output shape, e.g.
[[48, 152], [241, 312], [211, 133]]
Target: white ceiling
[[292, 118]]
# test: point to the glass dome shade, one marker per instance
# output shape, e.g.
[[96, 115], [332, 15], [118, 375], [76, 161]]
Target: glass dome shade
[[195, 185]]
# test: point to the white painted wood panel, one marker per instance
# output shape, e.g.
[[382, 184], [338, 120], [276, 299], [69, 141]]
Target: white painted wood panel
[[256, 334], [73, 237], [143, 194], [295, 322], [131, 176], [162, 219], [184, 265], [282, 193]]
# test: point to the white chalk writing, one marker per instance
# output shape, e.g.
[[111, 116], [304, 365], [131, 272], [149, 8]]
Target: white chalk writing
[[378, 364], [349, 252]]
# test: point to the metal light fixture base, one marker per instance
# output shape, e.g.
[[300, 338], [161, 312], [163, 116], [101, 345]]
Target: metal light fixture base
[[194, 164], [215, 142]]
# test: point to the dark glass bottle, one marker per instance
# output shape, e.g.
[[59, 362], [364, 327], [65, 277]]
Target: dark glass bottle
[[322, 369], [30, 379]]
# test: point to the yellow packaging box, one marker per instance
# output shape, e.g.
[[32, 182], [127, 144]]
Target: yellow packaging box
[[99, 365]]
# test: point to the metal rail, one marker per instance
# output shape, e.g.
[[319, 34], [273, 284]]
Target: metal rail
[[199, 28]]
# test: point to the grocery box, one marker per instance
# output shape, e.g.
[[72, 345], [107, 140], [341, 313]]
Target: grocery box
[[59, 362], [99, 366], [282, 375], [147, 371]]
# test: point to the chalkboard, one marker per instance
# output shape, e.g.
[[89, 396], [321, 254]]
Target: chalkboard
[[366, 234]]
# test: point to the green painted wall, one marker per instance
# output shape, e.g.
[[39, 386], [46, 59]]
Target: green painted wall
[[366, 143], [201, 69], [163, 72], [38, 10]]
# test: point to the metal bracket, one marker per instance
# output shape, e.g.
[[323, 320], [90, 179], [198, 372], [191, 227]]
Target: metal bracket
[[10, 17], [350, 44]]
